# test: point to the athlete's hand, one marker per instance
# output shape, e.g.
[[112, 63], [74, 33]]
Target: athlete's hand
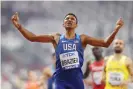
[[120, 22], [15, 20]]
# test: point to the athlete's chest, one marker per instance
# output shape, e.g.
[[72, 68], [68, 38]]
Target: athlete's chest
[[69, 45], [68, 54], [96, 71], [115, 64], [97, 66]]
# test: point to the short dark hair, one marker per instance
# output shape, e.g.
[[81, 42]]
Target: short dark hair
[[72, 15], [95, 47]]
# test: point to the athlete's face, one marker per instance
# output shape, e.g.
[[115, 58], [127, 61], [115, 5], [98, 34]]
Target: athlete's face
[[97, 52], [70, 22], [118, 46]]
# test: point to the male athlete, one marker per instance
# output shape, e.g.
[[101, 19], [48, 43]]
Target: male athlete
[[69, 49], [96, 69], [118, 70]]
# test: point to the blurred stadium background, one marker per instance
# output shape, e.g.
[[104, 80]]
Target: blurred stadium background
[[97, 19]]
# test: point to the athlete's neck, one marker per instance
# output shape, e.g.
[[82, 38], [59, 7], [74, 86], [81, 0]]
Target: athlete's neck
[[117, 54], [70, 34], [98, 58]]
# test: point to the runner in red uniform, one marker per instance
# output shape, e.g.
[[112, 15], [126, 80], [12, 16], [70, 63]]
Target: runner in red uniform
[[96, 69]]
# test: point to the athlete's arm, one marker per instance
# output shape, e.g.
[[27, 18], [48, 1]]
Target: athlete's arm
[[104, 75], [104, 71], [86, 74], [87, 71], [29, 35], [129, 64], [100, 42], [130, 69]]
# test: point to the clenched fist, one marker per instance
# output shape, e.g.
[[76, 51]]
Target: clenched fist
[[15, 20], [15, 17], [120, 22]]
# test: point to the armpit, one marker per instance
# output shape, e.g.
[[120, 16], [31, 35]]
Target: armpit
[[58, 34], [56, 37]]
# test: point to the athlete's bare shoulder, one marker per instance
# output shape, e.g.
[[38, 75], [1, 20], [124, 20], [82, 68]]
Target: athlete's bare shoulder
[[58, 34], [106, 59], [56, 37], [129, 64], [83, 38], [129, 61], [55, 34]]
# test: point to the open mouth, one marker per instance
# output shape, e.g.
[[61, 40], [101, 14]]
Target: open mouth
[[69, 24]]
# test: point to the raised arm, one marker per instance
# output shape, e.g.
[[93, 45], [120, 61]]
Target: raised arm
[[29, 35], [100, 42]]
